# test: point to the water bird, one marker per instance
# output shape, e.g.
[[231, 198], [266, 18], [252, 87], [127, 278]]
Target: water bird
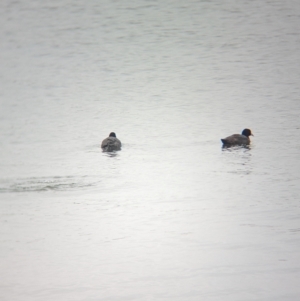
[[237, 139], [111, 143]]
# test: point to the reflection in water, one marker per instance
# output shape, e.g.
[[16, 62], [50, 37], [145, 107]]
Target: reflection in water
[[111, 154], [230, 148], [239, 158]]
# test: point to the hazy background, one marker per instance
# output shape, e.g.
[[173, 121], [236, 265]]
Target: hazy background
[[172, 216]]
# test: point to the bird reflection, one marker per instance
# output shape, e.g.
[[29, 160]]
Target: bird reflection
[[234, 148], [111, 154], [240, 158]]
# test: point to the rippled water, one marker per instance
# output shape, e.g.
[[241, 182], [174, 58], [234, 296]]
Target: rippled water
[[172, 216]]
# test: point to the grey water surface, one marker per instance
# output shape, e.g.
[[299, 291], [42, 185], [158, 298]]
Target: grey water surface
[[172, 216]]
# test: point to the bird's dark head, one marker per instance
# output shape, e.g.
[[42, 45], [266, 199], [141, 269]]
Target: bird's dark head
[[112, 134], [247, 133]]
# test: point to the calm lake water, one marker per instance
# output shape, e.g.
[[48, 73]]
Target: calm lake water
[[172, 216]]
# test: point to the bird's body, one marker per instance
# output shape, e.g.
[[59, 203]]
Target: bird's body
[[111, 143], [237, 139]]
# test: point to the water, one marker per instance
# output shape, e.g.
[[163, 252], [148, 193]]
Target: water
[[172, 216]]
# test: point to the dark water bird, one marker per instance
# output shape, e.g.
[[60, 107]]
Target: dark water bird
[[111, 143], [237, 139]]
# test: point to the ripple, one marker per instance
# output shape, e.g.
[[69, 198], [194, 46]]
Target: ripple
[[47, 184]]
